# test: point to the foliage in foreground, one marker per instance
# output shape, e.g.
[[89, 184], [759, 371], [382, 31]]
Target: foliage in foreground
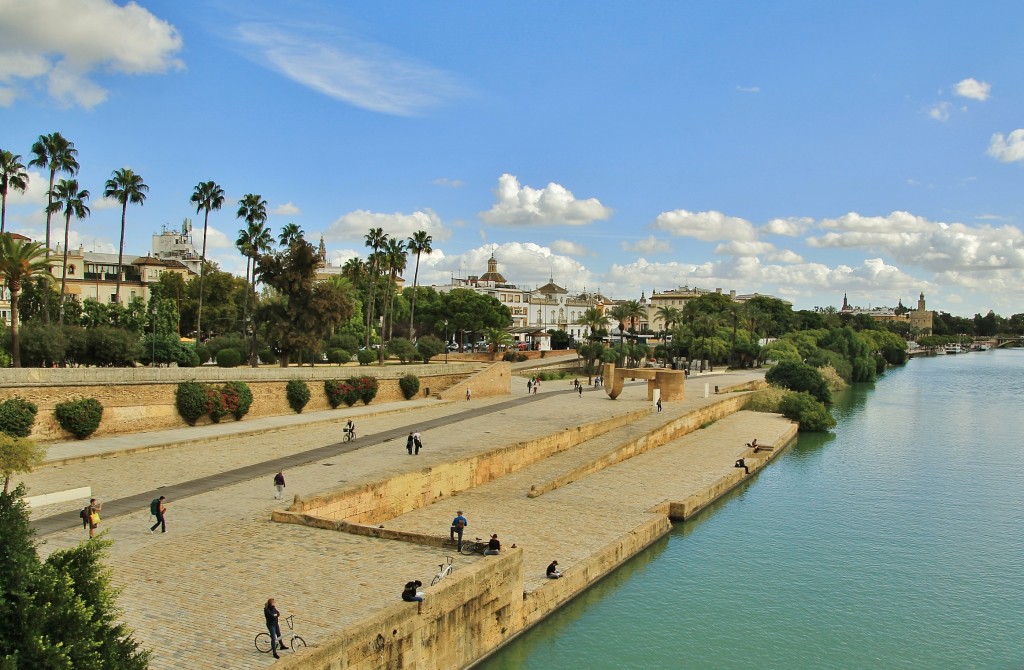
[[62, 612], [807, 411]]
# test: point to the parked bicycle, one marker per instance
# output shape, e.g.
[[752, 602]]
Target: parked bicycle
[[478, 546], [445, 570], [290, 638]]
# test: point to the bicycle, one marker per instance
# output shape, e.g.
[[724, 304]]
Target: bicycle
[[263, 642], [478, 546], [349, 436], [445, 571]]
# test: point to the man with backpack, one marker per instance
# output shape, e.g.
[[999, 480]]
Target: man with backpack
[[157, 509], [459, 524]]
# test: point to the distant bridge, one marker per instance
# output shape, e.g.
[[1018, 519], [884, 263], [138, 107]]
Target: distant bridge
[[1015, 341]]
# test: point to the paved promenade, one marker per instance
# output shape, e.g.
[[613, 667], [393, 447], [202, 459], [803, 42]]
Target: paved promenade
[[194, 594]]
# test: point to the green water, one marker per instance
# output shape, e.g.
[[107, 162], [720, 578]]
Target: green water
[[894, 542]]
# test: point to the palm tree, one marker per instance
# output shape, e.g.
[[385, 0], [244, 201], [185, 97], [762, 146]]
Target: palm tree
[[593, 319], [375, 239], [634, 313], [207, 195], [67, 198], [395, 260], [12, 175], [418, 244], [620, 314], [290, 234], [252, 241], [669, 316], [19, 261], [126, 187], [354, 269], [57, 154]]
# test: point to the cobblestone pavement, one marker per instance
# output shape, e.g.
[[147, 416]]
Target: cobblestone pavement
[[194, 594]]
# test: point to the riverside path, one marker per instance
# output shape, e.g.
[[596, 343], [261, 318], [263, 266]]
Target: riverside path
[[194, 594]]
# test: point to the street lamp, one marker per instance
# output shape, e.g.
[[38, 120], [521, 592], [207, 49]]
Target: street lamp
[[446, 341], [152, 360]]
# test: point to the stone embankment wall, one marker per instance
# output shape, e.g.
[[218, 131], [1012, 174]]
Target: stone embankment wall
[[142, 399]]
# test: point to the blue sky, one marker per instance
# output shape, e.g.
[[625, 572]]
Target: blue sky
[[800, 149]]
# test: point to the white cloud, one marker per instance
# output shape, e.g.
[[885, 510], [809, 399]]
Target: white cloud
[[648, 245], [940, 111], [569, 248], [784, 256], [973, 89], [361, 73], [524, 264], [791, 226], [445, 181], [554, 204], [355, 225], [748, 89], [1007, 149], [707, 226], [7, 96], [90, 35], [744, 248], [287, 209]]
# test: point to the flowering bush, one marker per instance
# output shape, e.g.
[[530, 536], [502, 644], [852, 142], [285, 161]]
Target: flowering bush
[[214, 403], [367, 387], [334, 390], [410, 385]]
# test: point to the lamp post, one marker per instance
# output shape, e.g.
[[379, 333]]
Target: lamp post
[[152, 360], [446, 341]]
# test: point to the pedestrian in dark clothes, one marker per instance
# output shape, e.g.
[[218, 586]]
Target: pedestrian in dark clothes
[[416, 442], [409, 444]]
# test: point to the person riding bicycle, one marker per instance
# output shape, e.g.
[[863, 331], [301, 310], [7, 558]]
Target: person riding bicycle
[[350, 428]]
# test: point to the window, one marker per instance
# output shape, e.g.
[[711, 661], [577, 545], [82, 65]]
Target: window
[[71, 270]]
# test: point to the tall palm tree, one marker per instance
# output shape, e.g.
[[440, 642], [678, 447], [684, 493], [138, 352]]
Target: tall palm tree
[[68, 198], [290, 234], [126, 187], [635, 312], [395, 259], [620, 314], [54, 153], [19, 261], [12, 175], [207, 195], [253, 240], [375, 239], [593, 319], [354, 269], [418, 244], [669, 316]]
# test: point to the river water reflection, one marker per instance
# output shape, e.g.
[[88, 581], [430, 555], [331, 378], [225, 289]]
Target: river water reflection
[[897, 541]]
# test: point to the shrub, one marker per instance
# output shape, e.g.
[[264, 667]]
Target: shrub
[[213, 403], [350, 391], [509, 356], [237, 398], [410, 386], [268, 356], [367, 387], [800, 377], [108, 346], [298, 395], [334, 390], [811, 414], [338, 356], [229, 341], [429, 346], [202, 353], [190, 399], [402, 349], [832, 378], [229, 358], [17, 416], [366, 356], [766, 400], [79, 417], [520, 357], [185, 356]]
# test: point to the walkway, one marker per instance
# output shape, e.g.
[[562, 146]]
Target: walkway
[[222, 557]]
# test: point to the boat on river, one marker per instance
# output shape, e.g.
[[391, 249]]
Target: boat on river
[[953, 348]]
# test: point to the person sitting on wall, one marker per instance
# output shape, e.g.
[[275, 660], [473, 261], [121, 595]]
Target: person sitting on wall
[[741, 463], [493, 546], [553, 572], [411, 594]]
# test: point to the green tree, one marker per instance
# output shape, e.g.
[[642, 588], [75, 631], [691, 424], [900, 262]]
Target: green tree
[[20, 260], [12, 176], [68, 198], [61, 612], [669, 316], [419, 243], [429, 346], [54, 153], [18, 454], [594, 320], [290, 234], [127, 188], [620, 314], [800, 377], [395, 261], [254, 240], [208, 195], [375, 239]]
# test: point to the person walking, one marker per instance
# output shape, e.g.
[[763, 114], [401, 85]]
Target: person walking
[[579, 389], [417, 445], [469, 393], [279, 485], [158, 509], [659, 405], [409, 443], [459, 524], [529, 386], [91, 516], [272, 617]]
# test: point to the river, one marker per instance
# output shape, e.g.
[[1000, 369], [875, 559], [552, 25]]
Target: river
[[896, 541]]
